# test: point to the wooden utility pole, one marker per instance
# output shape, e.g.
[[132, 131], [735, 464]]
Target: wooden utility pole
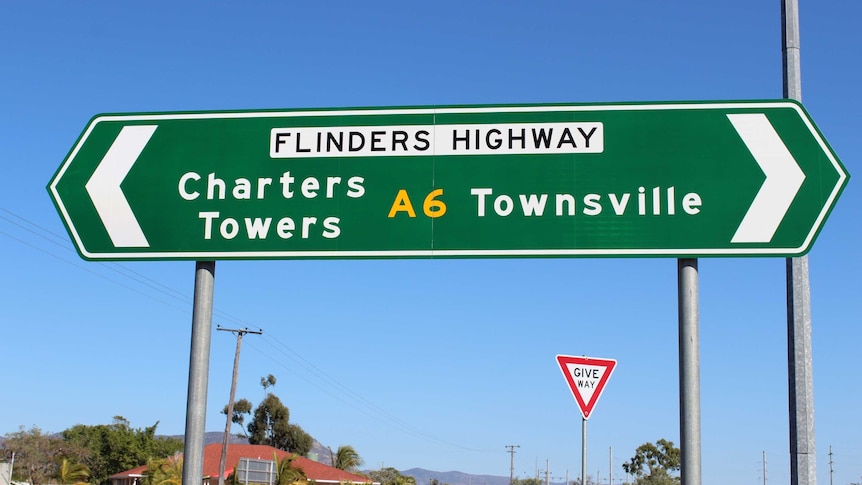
[[239, 333], [512, 462]]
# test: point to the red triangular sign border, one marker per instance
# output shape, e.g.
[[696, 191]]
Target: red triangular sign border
[[608, 364]]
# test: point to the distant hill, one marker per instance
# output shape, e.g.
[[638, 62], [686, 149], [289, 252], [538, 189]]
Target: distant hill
[[216, 437], [423, 477]]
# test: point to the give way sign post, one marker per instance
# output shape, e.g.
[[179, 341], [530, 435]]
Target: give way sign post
[[586, 377]]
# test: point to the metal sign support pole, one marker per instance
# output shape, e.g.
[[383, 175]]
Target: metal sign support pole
[[799, 360], [583, 451], [196, 406], [689, 372], [803, 462]]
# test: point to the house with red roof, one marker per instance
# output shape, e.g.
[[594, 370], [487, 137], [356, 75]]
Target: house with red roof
[[315, 471]]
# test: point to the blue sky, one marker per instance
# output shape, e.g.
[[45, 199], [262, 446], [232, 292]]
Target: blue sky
[[436, 364]]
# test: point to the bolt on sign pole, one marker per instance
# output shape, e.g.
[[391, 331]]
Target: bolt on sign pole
[[196, 405], [689, 372], [799, 359]]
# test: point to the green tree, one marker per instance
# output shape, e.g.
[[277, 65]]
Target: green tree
[[287, 472], [267, 382], [405, 480], [297, 440], [117, 447], [240, 409], [347, 459], [270, 426], [653, 463], [35, 454], [390, 476], [69, 473], [164, 471], [269, 413], [527, 481]]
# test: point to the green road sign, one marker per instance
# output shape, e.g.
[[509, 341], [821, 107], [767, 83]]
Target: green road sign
[[672, 179]]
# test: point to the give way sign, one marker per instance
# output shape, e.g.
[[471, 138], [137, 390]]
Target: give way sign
[[586, 377]]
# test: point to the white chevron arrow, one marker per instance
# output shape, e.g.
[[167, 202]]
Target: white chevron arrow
[[783, 178], [106, 194]]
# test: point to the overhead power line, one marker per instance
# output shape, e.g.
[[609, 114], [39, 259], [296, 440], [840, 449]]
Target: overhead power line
[[182, 301]]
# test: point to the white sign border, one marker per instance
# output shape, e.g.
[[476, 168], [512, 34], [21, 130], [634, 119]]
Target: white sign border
[[432, 253]]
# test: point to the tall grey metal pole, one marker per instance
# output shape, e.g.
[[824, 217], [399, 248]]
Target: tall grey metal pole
[[689, 372], [547, 471], [799, 361], [583, 451], [611, 465], [196, 405]]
